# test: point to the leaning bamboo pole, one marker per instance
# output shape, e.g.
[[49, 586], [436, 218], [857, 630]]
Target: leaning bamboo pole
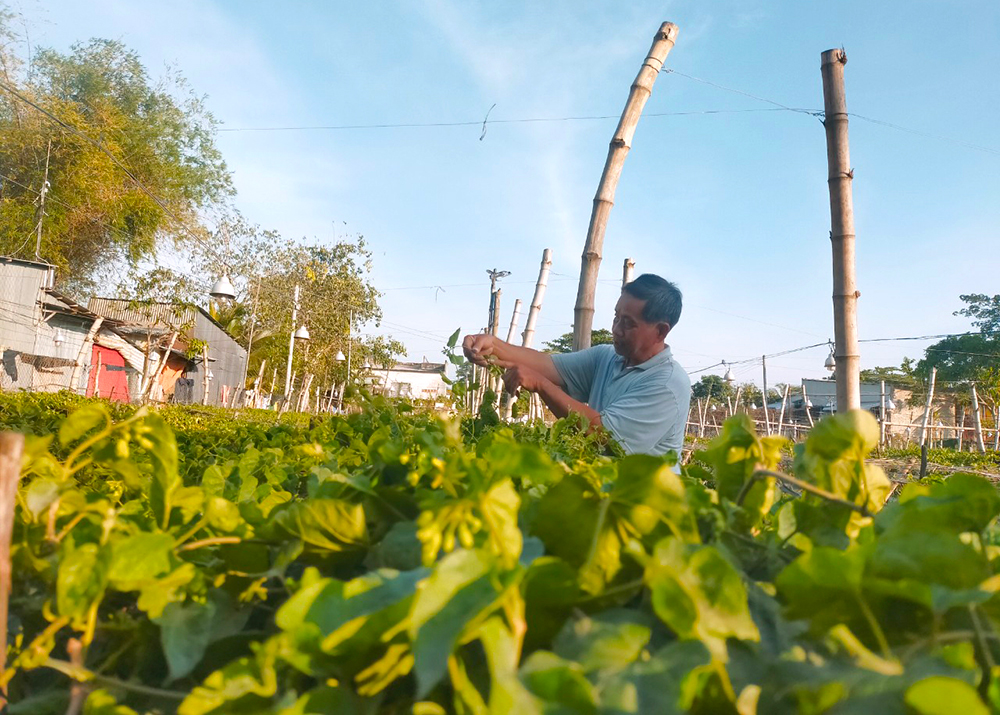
[[160, 365], [536, 302], [621, 142], [74, 378]]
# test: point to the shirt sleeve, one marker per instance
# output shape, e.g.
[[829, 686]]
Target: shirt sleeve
[[577, 371], [640, 419]]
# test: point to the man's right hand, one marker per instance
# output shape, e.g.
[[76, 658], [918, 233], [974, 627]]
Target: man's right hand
[[479, 348]]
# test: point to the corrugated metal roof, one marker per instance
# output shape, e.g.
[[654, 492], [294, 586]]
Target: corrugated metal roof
[[128, 311]]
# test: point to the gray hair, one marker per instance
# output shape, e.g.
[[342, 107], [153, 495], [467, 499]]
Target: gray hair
[[663, 298]]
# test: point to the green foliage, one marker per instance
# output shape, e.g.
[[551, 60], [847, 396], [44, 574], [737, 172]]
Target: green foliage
[[94, 213], [398, 561], [564, 343]]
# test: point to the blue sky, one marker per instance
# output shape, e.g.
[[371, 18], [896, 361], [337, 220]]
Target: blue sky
[[732, 206]]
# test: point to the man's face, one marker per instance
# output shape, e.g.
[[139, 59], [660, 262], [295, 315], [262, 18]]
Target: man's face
[[634, 337]]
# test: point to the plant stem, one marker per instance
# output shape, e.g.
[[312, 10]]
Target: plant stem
[[804, 486], [209, 542], [83, 675], [876, 629]]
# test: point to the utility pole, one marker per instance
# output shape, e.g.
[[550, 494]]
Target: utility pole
[[291, 344], [845, 293], [41, 203], [494, 275]]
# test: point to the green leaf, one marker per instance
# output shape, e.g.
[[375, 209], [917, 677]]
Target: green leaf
[[453, 340], [939, 695], [40, 494], [607, 641], [81, 581], [139, 559], [323, 525], [666, 683], [459, 589], [82, 421], [559, 682], [186, 630], [699, 594], [157, 439], [101, 702]]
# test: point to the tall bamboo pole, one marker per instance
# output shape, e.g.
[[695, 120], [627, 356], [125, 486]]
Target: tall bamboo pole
[[514, 318], [927, 409], [980, 444], [536, 302], [621, 142], [205, 378], [11, 449], [845, 292], [627, 270], [805, 404]]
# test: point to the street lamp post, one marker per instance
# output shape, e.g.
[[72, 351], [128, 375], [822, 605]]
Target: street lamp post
[[302, 333]]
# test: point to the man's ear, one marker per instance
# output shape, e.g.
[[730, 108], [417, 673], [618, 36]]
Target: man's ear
[[662, 329]]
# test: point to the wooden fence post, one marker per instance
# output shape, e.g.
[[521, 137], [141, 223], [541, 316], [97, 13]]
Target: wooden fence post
[[621, 142], [11, 449], [927, 409], [980, 444], [627, 270]]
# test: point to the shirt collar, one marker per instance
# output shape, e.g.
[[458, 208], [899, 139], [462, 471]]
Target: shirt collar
[[660, 357]]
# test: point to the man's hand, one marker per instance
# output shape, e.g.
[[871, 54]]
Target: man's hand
[[479, 348], [519, 377]]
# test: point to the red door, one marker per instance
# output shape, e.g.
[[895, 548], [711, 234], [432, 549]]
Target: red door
[[107, 369]]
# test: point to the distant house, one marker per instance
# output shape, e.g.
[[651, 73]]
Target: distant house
[[45, 338], [183, 378], [415, 380]]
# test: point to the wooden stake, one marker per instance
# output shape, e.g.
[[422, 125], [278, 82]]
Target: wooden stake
[[767, 419], [627, 271], [536, 302], [845, 293], [621, 142], [805, 405], [97, 376], [927, 409], [162, 364], [204, 379], [977, 421], [781, 415], [508, 399], [881, 419], [11, 449]]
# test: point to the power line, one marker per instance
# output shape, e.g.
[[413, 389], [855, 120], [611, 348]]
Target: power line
[[819, 114], [480, 123]]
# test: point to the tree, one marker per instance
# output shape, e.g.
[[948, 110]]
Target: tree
[[121, 122], [984, 311], [564, 343], [714, 387]]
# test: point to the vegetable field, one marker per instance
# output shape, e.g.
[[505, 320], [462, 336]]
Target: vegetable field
[[396, 561]]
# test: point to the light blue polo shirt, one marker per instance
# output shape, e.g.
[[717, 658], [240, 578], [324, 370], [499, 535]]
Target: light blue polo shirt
[[645, 407]]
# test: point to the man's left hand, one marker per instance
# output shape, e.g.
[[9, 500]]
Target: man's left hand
[[520, 377]]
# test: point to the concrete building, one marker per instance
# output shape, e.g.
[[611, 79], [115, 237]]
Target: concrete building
[[415, 380]]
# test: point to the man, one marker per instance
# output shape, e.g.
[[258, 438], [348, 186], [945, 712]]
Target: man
[[632, 388]]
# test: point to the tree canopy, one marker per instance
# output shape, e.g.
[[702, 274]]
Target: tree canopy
[[564, 343], [132, 160]]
